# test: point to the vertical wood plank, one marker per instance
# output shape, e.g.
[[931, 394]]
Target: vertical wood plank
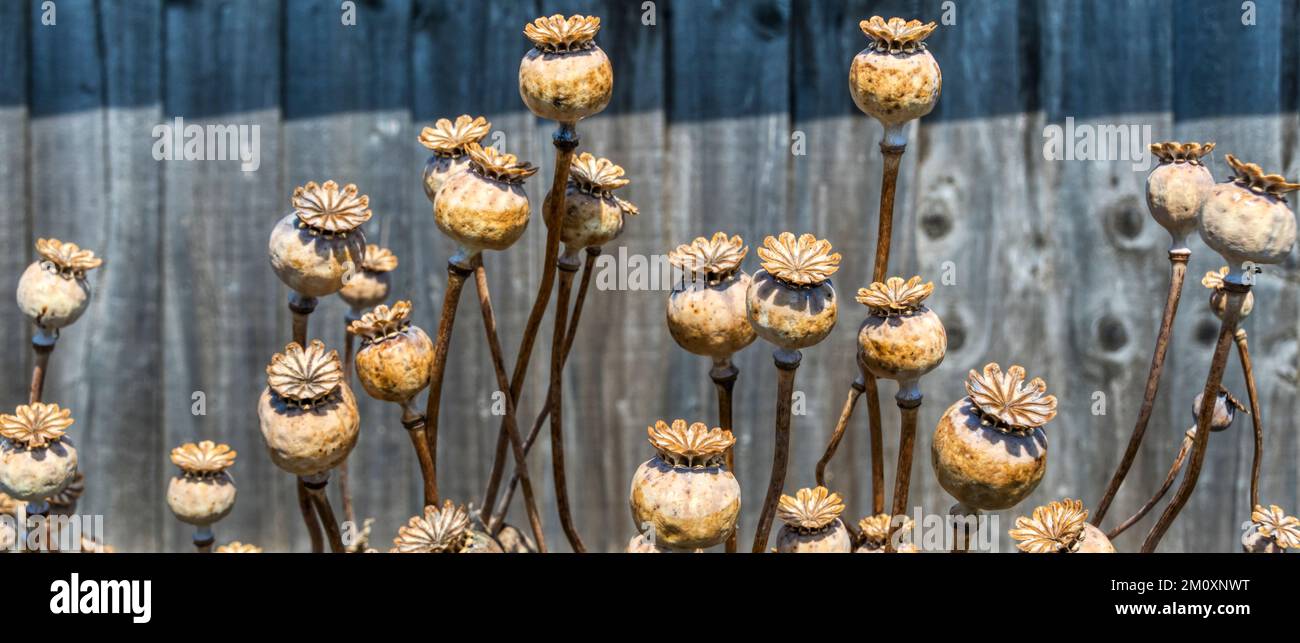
[[15, 221]]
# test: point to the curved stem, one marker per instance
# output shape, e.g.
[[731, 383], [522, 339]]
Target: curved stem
[[321, 502], [414, 423], [345, 486], [724, 375], [565, 140], [556, 400], [909, 400], [1236, 294], [498, 365], [1256, 418], [846, 413], [309, 517], [42, 345], [786, 364], [1178, 269], [442, 345], [1164, 487], [872, 391]]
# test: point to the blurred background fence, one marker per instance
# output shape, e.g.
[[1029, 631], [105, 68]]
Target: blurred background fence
[[728, 115]]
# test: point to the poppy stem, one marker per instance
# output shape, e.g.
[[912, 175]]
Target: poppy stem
[[42, 344], [1256, 418], [846, 413], [567, 265], [309, 517], [203, 539], [302, 307], [349, 345], [909, 400], [786, 364], [457, 270], [315, 486], [1164, 487], [724, 374], [414, 423]]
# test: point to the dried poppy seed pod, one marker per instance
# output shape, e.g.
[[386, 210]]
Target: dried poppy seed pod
[[1060, 527], [645, 544], [875, 531], [706, 316], [989, 450], [447, 141], [443, 531], [791, 302], [1177, 187], [1246, 219], [901, 339], [307, 412], [236, 547], [53, 291], [395, 357], [484, 207], [1219, 297], [368, 287], [203, 493], [313, 247], [1271, 531], [812, 524], [1225, 409], [895, 79], [685, 493], [36, 459], [565, 77], [64, 503], [593, 216]]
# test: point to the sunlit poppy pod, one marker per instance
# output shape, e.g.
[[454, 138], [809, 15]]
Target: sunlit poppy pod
[[36, 458], [307, 412], [369, 286], [394, 361], [1060, 527], [53, 291], [706, 310], [684, 495], [443, 530], [565, 77], [895, 79], [593, 215], [1178, 186], [204, 492], [485, 207], [791, 302], [901, 339], [812, 523], [447, 141], [1271, 531], [1247, 218], [313, 247]]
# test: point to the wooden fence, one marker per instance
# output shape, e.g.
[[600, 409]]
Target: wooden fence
[[728, 115]]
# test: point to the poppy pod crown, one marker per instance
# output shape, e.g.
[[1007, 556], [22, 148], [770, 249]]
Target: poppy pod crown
[[70, 260], [330, 210], [36, 425], [895, 296], [304, 376], [799, 261], [1056, 527], [715, 258], [206, 458], [810, 510], [1174, 152], [1252, 176], [490, 163], [557, 34], [1008, 401], [599, 177], [694, 446], [896, 35], [379, 259], [437, 531], [383, 322], [875, 529], [449, 139], [1275, 524], [236, 547]]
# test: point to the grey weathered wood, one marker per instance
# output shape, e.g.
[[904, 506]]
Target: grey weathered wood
[[15, 220]]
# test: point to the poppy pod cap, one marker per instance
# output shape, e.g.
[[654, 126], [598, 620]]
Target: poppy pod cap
[[875, 531], [321, 241], [565, 77], [791, 302], [307, 412], [901, 339], [1060, 527], [895, 79], [1271, 531], [989, 450], [236, 547], [447, 141], [1247, 218], [706, 311], [395, 357], [1214, 280], [204, 492], [812, 523], [685, 495], [442, 530], [53, 291], [369, 286], [593, 215], [1178, 186], [484, 207], [36, 458]]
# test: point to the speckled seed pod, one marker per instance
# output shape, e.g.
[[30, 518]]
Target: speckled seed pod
[[64, 503], [593, 216], [684, 494], [447, 141], [1225, 409], [895, 79], [307, 412], [706, 311], [313, 247], [394, 361], [1219, 297], [791, 302], [812, 524], [485, 207], [643, 544], [1177, 187], [901, 339], [874, 533], [989, 450], [1060, 527], [203, 493], [368, 287], [445, 530], [1271, 531], [53, 291], [36, 459], [565, 77], [1247, 218]]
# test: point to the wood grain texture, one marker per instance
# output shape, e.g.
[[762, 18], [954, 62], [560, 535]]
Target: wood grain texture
[[727, 115]]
